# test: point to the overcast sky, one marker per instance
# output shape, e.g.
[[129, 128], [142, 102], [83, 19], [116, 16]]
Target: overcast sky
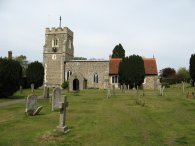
[[163, 28]]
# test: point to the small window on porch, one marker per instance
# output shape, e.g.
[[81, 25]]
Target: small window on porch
[[115, 79]]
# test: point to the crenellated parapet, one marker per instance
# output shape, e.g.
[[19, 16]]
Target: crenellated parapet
[[58, 30]]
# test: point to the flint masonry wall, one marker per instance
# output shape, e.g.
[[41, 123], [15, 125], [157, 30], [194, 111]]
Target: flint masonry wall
[[151, 82], [88, 68]]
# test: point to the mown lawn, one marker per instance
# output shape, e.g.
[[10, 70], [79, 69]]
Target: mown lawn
[[96, 120]]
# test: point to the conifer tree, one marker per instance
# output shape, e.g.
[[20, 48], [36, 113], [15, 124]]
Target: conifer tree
[[131, 70], [10, 77], [118, 51], [35, 74], [192, 68]]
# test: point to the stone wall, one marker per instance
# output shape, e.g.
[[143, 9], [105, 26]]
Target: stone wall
[[151, 82], [88, 69]]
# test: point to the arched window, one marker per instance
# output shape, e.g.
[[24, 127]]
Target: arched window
[[95, 78], [69, 73]]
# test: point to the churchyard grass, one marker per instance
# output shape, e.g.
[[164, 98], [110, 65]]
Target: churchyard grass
[[22, 95], [96, 120]]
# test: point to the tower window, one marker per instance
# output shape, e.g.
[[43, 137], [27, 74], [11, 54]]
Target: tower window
[[55, 43]]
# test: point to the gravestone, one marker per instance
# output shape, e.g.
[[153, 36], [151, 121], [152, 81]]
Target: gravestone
[[108, 93], [31, 104], [21, 89], [183, 87], [121, 87], [190, 95], [62, 121], [46, 92], [137, 90], [113, 89], [32, 88], [56, 98], [162, 90]]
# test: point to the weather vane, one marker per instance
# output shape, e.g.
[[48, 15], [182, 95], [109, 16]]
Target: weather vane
[[60, 20]]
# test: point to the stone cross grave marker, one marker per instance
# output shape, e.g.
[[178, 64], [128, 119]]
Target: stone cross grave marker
[[32, 88], [56, 98], [31, 104], [62, 121]]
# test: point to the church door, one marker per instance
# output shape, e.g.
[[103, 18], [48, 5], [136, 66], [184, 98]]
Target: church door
[[75, 84]]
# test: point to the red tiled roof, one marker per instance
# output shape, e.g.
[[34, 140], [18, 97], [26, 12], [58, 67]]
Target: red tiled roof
[[114, 66], [149, 65]]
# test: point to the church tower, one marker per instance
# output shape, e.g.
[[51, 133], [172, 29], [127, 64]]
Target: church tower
[[58, 48]]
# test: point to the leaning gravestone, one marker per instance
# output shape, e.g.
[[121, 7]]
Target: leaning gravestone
[[56, 98], [37, 111], [31, 104]]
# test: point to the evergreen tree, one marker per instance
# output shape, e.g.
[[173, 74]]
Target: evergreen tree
[[118, 52], [10, 77], [131, 70], [192, 68], [35, 74]]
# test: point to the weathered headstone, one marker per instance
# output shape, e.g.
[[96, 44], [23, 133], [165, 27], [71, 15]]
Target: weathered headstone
[[162, 90], [108, 93], [56, 98], [32, 88], [183, 87], [190, 95], [121, 87], [113, 89], [46, 92], [62, 121], [21, 89], [31, 104]]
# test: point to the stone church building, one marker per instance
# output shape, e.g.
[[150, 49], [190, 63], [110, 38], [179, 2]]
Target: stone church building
[[59, 66]]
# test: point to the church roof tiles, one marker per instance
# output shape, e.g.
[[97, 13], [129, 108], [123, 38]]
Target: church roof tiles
[[149, 65]]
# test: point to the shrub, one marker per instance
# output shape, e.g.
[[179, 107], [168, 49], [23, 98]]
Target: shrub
[[35, 74], [10, 77], [65, 85]]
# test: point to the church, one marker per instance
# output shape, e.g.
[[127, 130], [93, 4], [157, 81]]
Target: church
[[59, 66]]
